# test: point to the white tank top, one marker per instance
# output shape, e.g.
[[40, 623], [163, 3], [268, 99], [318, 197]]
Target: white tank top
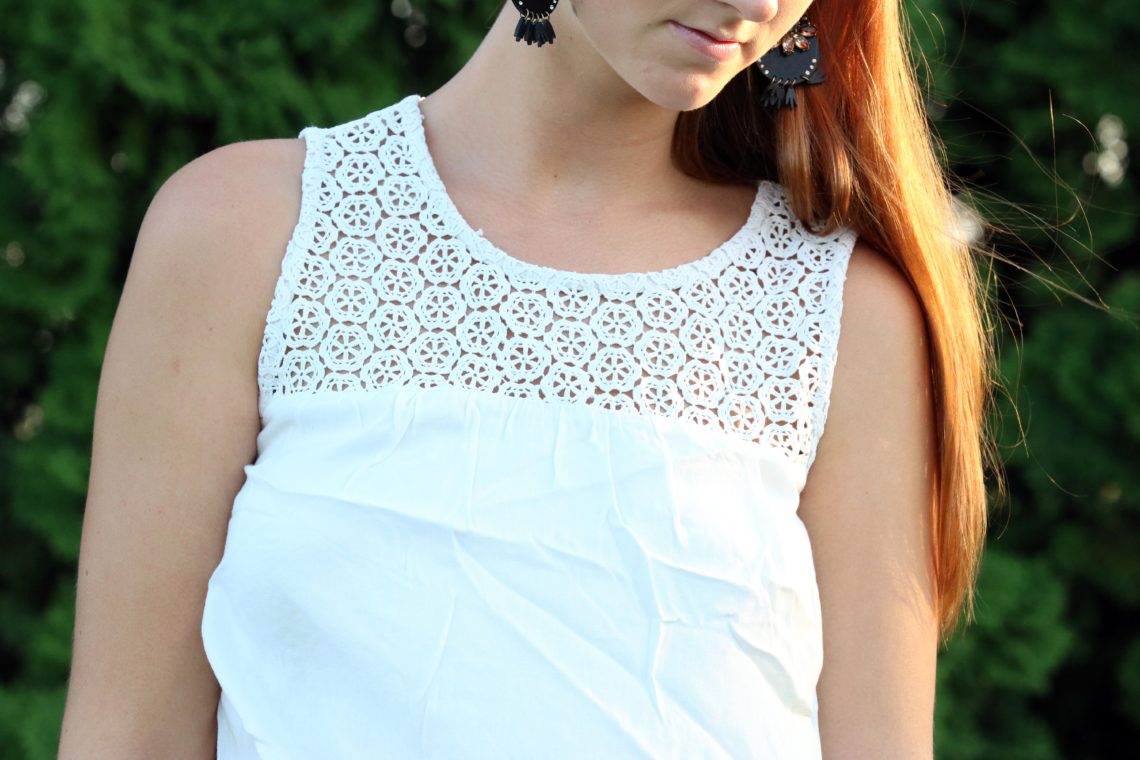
[[501, 510]]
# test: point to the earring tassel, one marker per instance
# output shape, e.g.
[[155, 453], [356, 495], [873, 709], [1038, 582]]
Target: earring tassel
[[533, 30], [534, 21], [778, 94], [775, 94]]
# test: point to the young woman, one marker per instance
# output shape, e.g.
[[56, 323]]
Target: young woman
[[491, 423]]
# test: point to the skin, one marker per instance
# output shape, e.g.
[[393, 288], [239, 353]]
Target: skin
[[587, 151], [867, 507], [594, 130]]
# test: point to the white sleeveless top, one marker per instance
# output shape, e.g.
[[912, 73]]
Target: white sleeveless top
[[501, 510]]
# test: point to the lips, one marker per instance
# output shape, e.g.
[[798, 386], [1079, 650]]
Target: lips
[[711, 47], [725, 39], [715, 37]]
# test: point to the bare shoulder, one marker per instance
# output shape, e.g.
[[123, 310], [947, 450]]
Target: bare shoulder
[[176, 421], [220, 225], [867, 506], [880, 388], [230, 181], [878, 303]]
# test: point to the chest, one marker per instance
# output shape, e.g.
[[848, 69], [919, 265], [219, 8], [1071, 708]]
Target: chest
[[593, 237]]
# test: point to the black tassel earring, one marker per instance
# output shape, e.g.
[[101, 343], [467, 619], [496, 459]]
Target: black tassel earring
[[534, 24], [794, 61]]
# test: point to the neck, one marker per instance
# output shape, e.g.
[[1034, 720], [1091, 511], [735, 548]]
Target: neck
[[552, 125]]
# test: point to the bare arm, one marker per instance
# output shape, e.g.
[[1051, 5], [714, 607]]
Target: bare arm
[[867, 509], [175, 423]]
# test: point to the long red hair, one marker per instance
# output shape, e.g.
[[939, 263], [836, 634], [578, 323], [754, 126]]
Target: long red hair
[[859, 151]]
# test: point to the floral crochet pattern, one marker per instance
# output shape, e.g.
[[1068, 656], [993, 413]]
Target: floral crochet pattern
[[383, 281]]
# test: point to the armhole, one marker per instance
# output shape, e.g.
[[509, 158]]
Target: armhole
[[271, 363], [841, 248]]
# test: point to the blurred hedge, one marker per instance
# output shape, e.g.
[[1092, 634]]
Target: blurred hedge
[[104, 99]]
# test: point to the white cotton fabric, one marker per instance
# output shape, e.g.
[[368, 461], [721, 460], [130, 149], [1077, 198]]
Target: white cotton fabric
[[501, 510]]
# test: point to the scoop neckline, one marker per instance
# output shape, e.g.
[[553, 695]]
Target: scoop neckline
[[711, 263]]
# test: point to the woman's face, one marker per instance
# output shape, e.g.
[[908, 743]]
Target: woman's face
[[644, 42]]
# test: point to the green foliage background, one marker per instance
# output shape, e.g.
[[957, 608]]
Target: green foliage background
[[104, 99]]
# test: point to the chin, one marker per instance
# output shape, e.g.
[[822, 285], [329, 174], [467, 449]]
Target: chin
[[684, 94]]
